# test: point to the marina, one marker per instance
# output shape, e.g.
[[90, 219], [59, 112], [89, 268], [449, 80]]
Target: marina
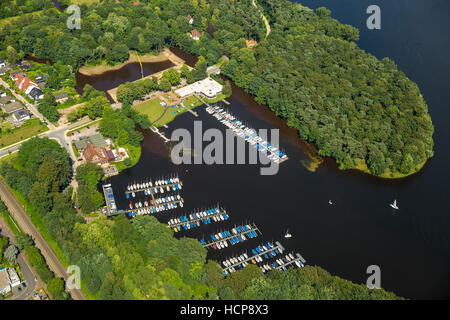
[[198, 217], [248, 134], [238, 234], [155, 205], [283, 263], [151, 188], [266, 250]]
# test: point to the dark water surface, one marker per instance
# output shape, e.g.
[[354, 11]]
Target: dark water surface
[[411, 246]]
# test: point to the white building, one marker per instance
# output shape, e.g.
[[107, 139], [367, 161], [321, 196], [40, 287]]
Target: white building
[[14, 279], [208, 88], [5, 287]]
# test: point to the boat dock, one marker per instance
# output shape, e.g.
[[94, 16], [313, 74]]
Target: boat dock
[[247, 133], [238, 234], [193, 112], [267, 250], [287, 260], [197, 218], [158, 186], [155, 130], [111, 206], [155, 205]]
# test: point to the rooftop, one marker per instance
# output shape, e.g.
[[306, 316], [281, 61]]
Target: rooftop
[[207, 87]]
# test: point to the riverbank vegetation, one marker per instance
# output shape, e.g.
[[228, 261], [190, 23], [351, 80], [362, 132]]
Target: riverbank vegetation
[[309, 70]]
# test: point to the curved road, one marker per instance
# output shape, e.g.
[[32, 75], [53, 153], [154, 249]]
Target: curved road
[[24, 221]]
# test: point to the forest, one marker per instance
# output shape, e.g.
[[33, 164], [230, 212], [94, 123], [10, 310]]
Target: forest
[[361, 111], [121, 258]]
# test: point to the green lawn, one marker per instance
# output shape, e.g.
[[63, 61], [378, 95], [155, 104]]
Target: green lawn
[[153, 109], [134, 153], [31, 128], [11, 223]]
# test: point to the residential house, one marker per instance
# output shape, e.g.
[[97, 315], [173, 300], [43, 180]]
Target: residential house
[[2, 63], [2, 93], [26, 85], [21, 115], [15, 74], [97, 140], [195, 34], [62, 97], [190, 19], [12, 107], [14, 279], [5, 287], [6, 99], [95, 154]]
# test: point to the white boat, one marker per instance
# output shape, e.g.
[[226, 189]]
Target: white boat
[[394, 205], [330, 202], [288, 235]]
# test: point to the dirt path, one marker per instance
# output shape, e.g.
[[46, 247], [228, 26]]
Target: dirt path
[[264, 18]]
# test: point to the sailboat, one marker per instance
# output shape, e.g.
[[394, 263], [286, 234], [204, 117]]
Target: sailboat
[[330, 202], [287, 235], [394, 205]]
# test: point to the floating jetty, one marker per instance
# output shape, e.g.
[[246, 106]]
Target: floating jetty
[[261, 252], [110, 201], [236, 235], [247, 133], [198, 217], [154, 205], [153, 187]]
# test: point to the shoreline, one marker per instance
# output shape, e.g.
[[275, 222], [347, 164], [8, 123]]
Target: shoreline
[[164, 55]]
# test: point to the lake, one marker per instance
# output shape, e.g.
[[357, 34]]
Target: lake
[[411, 246]]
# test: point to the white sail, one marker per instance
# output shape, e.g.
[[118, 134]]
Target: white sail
[[394, 205]]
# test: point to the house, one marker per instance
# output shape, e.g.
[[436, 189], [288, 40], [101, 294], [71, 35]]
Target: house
[[61, 98], [25, 65], [15, 74], [21, 115], [5, 287], [26, 85], [14, 279], [97, 140], [95, 154], [12, 107], [2, 63], [36, 93], [6, 99], [2, 93], [190, 19], [195, 34]]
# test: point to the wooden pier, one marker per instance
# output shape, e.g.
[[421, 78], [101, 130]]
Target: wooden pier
[[277, 246], [253, 227]]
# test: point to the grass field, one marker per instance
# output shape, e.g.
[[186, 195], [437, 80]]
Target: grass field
[[153, 109], [31, 128]]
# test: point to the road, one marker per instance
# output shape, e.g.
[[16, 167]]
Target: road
[[58, 133], [30, 107], [24, 221], [24, 268]]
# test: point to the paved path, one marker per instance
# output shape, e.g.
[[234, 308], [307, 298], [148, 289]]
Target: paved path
[[18, 213]]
